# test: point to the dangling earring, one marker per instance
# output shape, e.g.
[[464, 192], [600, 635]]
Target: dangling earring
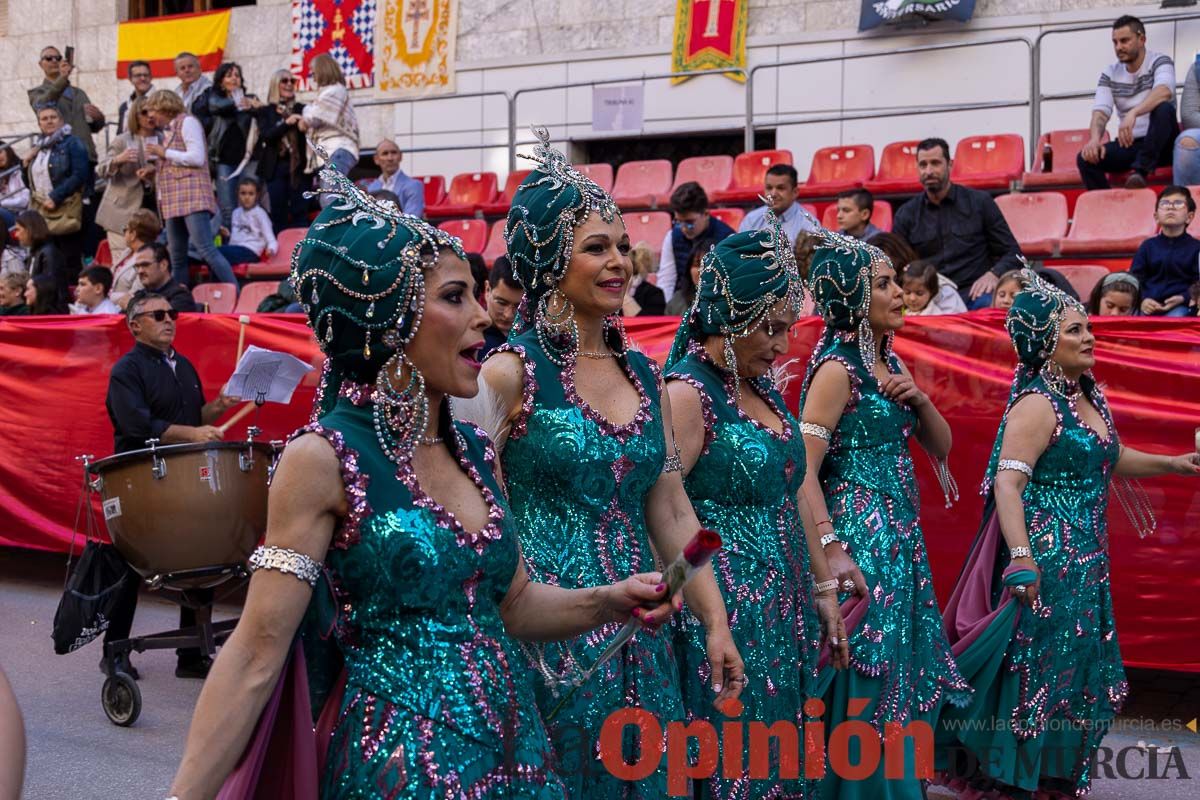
[[400, 416], [614, 323], [866, 345], [1056, 380], [731, 367], [556, 329]]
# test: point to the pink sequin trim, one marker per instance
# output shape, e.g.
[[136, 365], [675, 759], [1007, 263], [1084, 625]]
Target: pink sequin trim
[[730, 382], [529, 388], [354, 482], [621, 433], [706, 408]]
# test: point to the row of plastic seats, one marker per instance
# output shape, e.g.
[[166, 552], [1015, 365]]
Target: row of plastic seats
[[650, 227], [1065, 146], [1107, 221], [223, 298]]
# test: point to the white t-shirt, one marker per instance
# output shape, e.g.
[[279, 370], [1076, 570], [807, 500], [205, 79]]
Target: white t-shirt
[[252, 230], [1124, 89]]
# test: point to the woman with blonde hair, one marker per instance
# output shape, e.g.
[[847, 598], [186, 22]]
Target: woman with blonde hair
[[330, 120], [185, 191], [281, 152], [141, 230], [130, 176], [643, 298]]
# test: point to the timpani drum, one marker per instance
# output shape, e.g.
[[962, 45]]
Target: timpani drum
[[185, 507]]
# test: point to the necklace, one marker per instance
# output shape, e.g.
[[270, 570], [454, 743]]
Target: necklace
[[600, 355], [430, 441]]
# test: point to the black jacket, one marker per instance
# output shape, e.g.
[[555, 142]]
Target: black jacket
[[146, 396], [272, 136], [49, 260], [229, 129]]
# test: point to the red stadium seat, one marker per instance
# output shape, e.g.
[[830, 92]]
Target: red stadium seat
[[1083, 277], [713, 173], [730, 216], [103, 257], [473, 232], [836, 169], [435, 189], [650, 227], [253, 294], [1111, 221], [601, 174], [496, 246], [468, 193], [749, 171], [642, 184], [989, 162], [897, 170], [881, 216], [215, 298], [1064, 147], [501, 203], [1038, 220], [280, 264]]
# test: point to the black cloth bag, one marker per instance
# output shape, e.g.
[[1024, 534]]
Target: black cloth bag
[[92, 590]]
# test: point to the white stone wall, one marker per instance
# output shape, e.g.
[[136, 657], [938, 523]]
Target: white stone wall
[[504, 45]]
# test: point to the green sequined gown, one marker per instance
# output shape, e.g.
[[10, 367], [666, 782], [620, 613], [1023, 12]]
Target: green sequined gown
[[438, 699], [901, 662], [744, 487], [577, 485], [1048, 688]]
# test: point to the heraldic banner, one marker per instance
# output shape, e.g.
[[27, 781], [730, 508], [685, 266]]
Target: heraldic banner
[[416, 47], [343, 28], [879, 12], [710, 34]]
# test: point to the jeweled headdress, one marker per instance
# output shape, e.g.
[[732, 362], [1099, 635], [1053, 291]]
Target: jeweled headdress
[[1035, 318], [546, 209], [359, 274], [742, 278]]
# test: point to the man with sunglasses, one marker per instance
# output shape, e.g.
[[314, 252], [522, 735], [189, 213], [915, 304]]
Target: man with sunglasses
[[73, 103], [152, 263], [693, 233], [155, 393]]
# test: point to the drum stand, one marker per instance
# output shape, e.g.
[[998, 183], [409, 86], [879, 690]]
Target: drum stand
[[120, 695]]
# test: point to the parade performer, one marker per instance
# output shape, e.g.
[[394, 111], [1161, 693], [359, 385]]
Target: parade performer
[[592, 469], [420, 557], [860, 407], [743, 462], [1031, 617]]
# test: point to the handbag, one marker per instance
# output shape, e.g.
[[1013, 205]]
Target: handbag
[[66, 218], [93, 589]]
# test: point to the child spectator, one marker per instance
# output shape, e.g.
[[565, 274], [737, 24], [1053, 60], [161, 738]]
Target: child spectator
[[927, 293], [1167, 264], [12, 294], [854, 211], [91, 293], [643, 298], [252, 234], [1006, 289], [1118, 295], [41, 295]]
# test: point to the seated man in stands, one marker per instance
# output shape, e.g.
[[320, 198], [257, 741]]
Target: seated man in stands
[[694, 232], [779, 188], [410, 191], [960, 229], [503, 293], [1141, 86], [1166, 265], [155, 393], [855, 208], [153, 265]]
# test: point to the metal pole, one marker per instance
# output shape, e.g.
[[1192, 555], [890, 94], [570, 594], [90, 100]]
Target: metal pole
[[512, 133], [1035, 97], [748, 141]]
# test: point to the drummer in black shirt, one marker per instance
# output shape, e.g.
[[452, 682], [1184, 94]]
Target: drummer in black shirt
[[155, 393]]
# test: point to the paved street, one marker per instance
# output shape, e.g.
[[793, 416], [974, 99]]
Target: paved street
[[75, 753]]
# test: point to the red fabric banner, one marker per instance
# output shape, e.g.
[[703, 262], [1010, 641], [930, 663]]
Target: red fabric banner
[[55, 376], [709, 34]]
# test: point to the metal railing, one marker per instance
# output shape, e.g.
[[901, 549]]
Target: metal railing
[[508, 102], [1035, 90], [876, 113]]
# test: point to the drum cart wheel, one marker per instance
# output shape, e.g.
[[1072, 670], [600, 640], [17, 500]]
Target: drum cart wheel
[[121, 698]]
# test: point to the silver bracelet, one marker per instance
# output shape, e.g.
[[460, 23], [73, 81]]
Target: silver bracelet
[[673, 463], [1020, 552], [829, 539], [1014, 465], [287, 561], [819, 431], [825, 586]]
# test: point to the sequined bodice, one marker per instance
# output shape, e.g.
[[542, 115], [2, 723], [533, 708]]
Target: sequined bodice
[[870, 443], [577, 483]]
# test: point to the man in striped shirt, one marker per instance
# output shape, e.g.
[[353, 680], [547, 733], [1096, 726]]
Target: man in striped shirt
[[1141, 86]]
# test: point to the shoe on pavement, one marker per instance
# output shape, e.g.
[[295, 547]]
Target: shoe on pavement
[[193, 669]]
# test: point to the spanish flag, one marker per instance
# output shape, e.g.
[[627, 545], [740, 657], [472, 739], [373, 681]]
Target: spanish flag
[[161, 39]]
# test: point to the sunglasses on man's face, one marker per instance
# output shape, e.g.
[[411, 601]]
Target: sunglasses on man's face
[[160, 314], [51, 58]]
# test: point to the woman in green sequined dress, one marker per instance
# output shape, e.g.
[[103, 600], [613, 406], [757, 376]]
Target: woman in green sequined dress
[[1031, 616], [592, 475], [859, 409], [421, 561], [743, 461]]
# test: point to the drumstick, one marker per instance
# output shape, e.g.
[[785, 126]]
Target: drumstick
[[243, 321], [241, 412]]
